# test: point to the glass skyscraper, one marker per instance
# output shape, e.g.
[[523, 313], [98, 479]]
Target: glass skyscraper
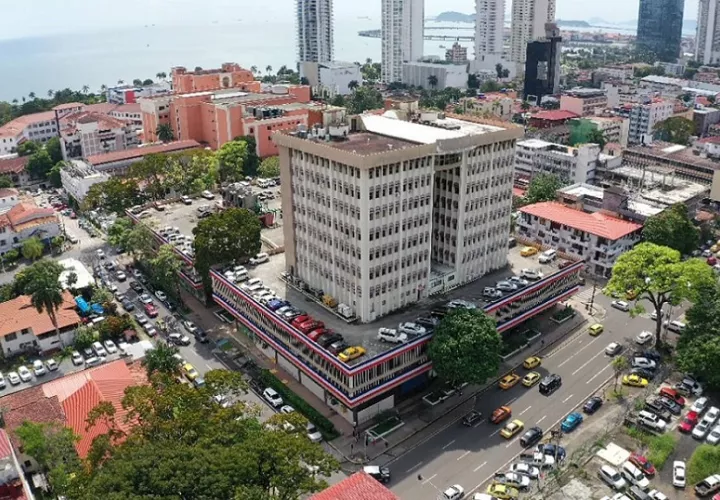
[[660, 28]]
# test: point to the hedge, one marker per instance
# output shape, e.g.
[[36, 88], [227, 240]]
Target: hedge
[[704, 462], [325, 426]]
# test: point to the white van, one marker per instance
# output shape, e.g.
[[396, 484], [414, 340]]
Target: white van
[[634, 475], [241, 275], [265, 183], [259, 259], [547, 256], [651, 420]]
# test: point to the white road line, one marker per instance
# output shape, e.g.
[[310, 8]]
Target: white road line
[[414, 467], [538, 422], [429, 479], [209, 367], [568, 398], [597, 374], [526, 409], [463, 455], [491, 435], [578, 351], [601, 353], [482, 421], [511, 443], [479, 467], [449, 444], [510, 402]]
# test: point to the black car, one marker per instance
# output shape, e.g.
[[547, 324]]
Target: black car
[[201, 336], [381, 474], [655, 406], [439, 312], [136, 286], [592, 405], [531, 437], [648, 374], [325, 341], [671, 405], [170, 306], [429, 322], [649, 354], [128, 305], [556, 451], [471, 418]]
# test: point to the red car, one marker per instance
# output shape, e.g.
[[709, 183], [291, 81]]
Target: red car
[[151, 310], [315, 334], [711, 261], [671, 393], [689, 422], [311, 325], [300, 320], [642, 463]]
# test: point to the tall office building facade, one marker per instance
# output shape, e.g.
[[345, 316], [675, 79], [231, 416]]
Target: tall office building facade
[[314, 30], [542, 65], [528, 24], [402, 36], [660, 28], [707, 39], [489, 22]]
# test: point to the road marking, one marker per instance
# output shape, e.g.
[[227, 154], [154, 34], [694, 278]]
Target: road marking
[[209, 367], [414, 467], [510, 402], [526, 409], [538, 422], [597, 374], [479, 467], [450, 443], [482, 421], [491, 435], [463, 455], [578, 352], [568, 398], [588, 361], [429, 479], [511, 443]]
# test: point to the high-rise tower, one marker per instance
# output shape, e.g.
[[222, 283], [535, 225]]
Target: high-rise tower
[[528, 24], [489, 24], [659, 29], [402, 36], [314, 30], [707, 40]]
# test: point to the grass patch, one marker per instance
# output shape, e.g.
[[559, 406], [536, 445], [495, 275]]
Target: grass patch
[[384, 426], [659, 447], [704, 462]]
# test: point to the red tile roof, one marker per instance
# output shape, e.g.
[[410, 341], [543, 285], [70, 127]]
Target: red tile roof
[[518, 192], [710, 140], [68, 105], [13, 165], [359, 486], [554, 115], [19, 313], [16, 126], [5, 192], [31, 405], [26, 211], [596, 223], [142, 151]]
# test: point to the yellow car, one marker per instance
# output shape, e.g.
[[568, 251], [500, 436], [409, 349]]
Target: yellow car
[[715, 248], [190, 371], [509, 381], [512, 428], [502, 491], [596, 329], [351, 353], [532, 362], [634, 381], [528, 251], [531, 379]]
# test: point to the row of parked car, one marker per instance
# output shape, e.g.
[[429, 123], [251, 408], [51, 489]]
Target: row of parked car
[[512, 284], [25, 374]]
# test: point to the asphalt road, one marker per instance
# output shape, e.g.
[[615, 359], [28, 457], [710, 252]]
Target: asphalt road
[[469, 456]]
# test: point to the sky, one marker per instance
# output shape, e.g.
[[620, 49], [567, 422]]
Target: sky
[[44, 17]]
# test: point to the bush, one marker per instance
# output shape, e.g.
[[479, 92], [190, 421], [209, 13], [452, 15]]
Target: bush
[[704, 462], [513, 342], [659, 447], [325, 426]]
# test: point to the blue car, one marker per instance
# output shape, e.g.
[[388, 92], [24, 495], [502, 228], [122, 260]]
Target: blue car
[[550, 449], [571, 421], [276, 304]]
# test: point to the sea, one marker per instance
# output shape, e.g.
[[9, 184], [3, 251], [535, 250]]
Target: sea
[[93, 58]]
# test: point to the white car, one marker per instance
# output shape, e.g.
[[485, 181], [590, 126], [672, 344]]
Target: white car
[[150, 329], [454, 492], [24, 373], [644, 338], [100, 253], [657, 495], [190, 326], [675, 326], [141, 318], [506, 286], [412, 328], [92, 361], [613, 348], [312, 433], [13, 378], [186, 199], [99, 349], [701, 429], [640, 362], [700, 405], [121, 276], [39, 368], [207, 195], [712, 415], [532, 274], [77, 358], [273, 397], [612, 477], [492, 293], [160, 295], [51, 365], [391, 335], [679, 474], [713, 436], [145, 298], [520, 282], [620, 305], [525, 469], [110, 346], [286, 409], [633, 475], [519, 481]]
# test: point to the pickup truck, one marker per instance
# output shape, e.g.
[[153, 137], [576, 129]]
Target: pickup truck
[[708, 486], [538, 459]]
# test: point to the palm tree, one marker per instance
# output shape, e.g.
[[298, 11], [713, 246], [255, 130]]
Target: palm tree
[[619, 365], [161, 75], [85, 89], [103, 87], [15, 101], [51, 93], [121, 81], [31, 95], [268, 69], [432, 81], [162, 360], [42, 283], [165, 132], [253, 69], [525, 106], [353, 84]]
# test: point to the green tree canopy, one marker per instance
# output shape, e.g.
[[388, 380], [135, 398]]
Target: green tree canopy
[[231, 161], [141, 242], [54, 175], [675, 129], [673, 228], [42, 282], [165, 132], [39, 164], [191, 173], [699, 344], [270, 167], [466, 347], [165, 266], [53, 447], [152, 171], [542, 188], [162, 360], [54, 149], [363, 99], [119, 232], [32, 248], [658, 274], [5, 182], [114, 195], [28, 147]]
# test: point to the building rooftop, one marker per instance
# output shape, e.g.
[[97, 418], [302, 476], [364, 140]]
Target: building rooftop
[[672, 152], [442, 129], [83, 275], [554, 115], [13, 165], [359, 486], [596, 223], [141, 151], [81, 170], [366, 143], [19, 313]]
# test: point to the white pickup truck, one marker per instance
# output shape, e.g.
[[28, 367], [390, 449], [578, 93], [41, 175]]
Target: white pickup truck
[[538, 459]]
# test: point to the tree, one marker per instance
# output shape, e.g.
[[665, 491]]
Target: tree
[[363, 99], [161, 360], [353, 84], [39, 164], [119, 232], [53, 447], [84, 337], [619, 365], [101, 296], [165, 267], [191, 173], [54, 175], [465, 347], [252, 162], [114, 195], [5, 182], [42, 283], [137, 82], [673, 228], [432, 81], [499, 70], [31, 95], [473, 82], [231, 160], [542, 188], [140, 242], [490, 86], [232, 235], [268, 69], [152, 171], [147, 82], [270, 167], [32, 248], [165, 132], [54, 149], [658, 274], [28, 147], [597, 137], [50, 93], [253, 69], [675, 129], [525, 105], [114, 327], [161, 75]]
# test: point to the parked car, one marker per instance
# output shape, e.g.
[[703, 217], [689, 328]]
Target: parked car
[[643, 363], [391, 335], [713, 436], [689, 422], [110, 346], [135, 286], [531, 437], [612, 477], [642, 463], [160, 295], [700, 405], [312, 433], [99, 349], [39, 368], [644, 337], [178, 339], [207, 195], [526, 470], [592, 405], [532, 274], [77, 358], [13, 378], [613, 349], [411, 328], [621, 305], [24, 374], [571, 422], [151, 310], [678, 474], [272, 396], [145, 298], [505, 286]]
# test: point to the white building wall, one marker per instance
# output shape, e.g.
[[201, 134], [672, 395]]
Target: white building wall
[[528, 24], [402, 36], [707, 39], [574, 165], [315, 32], [78, 187], [337, 77], [24, 341], [489, 26], [643, 119]]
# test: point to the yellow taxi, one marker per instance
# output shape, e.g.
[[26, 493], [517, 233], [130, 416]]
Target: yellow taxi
[[531, 379], [634, 380], [509, 381], [351, 353], [502, 491], [596, 329], [190, 371], [715, 248], [528, 251], [512, 428], [532, 362]]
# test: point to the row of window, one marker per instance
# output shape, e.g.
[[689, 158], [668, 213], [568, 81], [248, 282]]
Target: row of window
[[330, 275], [389, 267]]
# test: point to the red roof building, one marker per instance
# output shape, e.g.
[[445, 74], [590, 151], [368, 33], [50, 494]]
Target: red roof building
[[359, 486], [119, 161], [551, 118], [9, 166]]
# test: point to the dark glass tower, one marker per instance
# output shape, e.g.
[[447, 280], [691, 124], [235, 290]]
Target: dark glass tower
[[660, 28]]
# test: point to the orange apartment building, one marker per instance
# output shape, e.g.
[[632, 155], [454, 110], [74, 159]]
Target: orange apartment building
[[229, 75]]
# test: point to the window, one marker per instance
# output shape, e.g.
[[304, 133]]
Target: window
[[10, 337]]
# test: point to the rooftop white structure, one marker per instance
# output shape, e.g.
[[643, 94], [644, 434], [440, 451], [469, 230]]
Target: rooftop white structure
[[443, 129], [84, 278]]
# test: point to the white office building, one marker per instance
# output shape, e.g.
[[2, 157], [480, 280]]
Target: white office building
[[572, 165], [707, 39], [331, 78], [314, 23], [402, 36], [489, 25], [78, 177], [644, 117], [528, 24], [394, 211]]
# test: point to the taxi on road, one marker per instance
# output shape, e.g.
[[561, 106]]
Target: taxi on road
[[634, 380], [190, 371], [596, 329], [532, 362], [512, 428], [531, 379], [509, 381], [528, 251]]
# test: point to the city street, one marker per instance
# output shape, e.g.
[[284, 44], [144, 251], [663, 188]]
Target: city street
[[470, 456]]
